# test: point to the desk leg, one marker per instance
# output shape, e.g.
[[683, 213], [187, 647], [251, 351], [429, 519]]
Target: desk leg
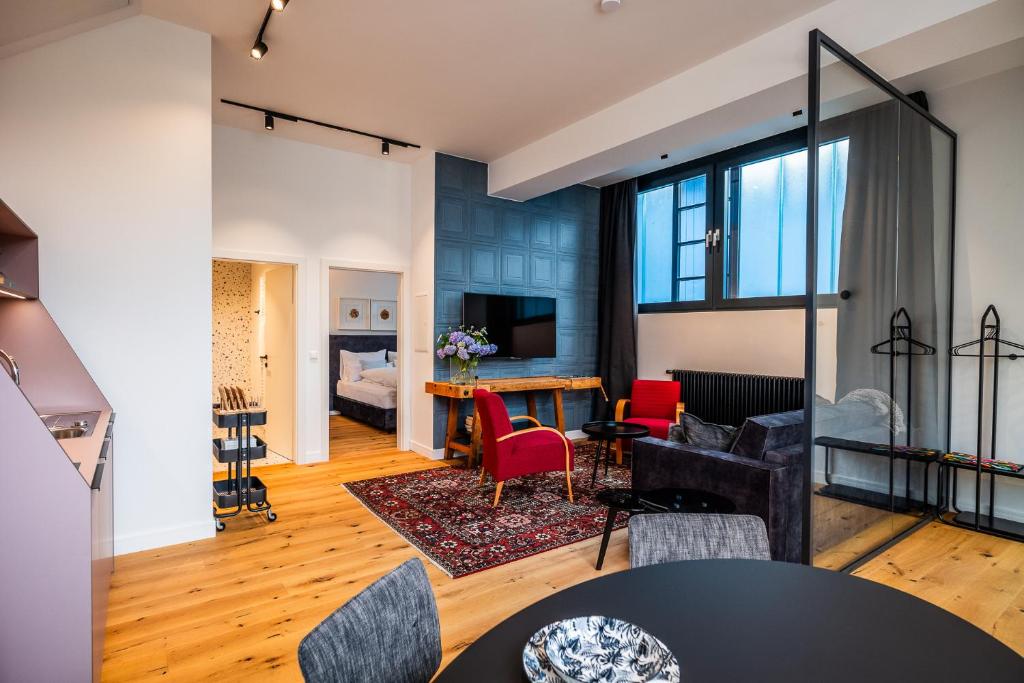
[[453, 426], [556, 394], [531, 404]]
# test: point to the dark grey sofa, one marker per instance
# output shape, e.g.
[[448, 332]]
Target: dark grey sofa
[[762, 475]]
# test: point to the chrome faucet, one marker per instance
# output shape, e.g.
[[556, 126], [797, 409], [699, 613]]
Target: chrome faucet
[[15, 371]]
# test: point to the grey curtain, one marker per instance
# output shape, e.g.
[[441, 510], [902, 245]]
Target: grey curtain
[[616, 302], [867, 257], [919, 287], [888, 258]]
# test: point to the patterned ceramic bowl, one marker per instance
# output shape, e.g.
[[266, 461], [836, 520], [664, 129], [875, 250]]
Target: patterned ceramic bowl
[[624, 653], [607, 650]]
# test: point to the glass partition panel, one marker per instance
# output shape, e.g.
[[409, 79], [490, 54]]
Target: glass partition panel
[[881, 305]]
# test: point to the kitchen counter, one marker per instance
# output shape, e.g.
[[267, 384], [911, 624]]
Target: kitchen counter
[[83, 450]]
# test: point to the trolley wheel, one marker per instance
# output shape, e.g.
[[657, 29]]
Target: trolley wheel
[[220, 525], [271, 515]]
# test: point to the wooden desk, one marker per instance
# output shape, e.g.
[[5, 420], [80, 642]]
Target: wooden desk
[[528, 385]]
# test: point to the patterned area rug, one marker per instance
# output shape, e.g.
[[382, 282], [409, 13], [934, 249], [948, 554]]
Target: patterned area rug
[[445, 514]]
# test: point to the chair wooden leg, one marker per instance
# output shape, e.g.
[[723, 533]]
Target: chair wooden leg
[[497, 493], [618, 451], [568, 482], [483, 473]]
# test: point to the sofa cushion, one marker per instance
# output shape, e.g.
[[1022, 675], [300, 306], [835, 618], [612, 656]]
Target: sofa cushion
[[659, 427], [769, 432], [694, 431]]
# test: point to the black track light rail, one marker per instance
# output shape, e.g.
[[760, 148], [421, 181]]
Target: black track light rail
[[296, 119]]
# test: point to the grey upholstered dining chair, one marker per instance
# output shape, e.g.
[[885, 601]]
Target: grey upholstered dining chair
[[387, 633], [670, 537]]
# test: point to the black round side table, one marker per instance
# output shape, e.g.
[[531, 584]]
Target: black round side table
[[606, 432], [659, 500], [617, 500]]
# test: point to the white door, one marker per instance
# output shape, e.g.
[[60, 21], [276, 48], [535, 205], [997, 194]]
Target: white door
[[279, 347]]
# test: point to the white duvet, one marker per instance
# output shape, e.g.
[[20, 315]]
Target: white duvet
[[387, 376]]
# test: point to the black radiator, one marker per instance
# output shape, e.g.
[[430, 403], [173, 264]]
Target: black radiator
[[729, 398]]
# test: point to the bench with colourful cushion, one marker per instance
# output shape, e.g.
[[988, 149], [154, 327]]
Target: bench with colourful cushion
[[987, 464]]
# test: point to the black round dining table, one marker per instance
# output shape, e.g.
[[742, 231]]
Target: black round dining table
[[749, 620]]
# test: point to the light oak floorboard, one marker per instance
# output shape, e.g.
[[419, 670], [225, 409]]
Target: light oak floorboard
[[236, 606]]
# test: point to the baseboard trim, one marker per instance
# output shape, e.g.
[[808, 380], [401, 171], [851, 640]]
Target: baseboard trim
[[429, 451], [159, 538]]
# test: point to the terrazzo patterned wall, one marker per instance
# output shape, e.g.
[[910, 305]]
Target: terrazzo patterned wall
[[544, 247], [233, 324]]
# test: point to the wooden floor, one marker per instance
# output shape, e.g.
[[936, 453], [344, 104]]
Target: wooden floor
[[349, 436], [235, 606]]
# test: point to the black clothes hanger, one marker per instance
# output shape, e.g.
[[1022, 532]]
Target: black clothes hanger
[[900, 331], [989, 332]]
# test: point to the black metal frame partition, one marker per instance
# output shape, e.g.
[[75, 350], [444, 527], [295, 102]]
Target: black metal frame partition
[[817, 41]]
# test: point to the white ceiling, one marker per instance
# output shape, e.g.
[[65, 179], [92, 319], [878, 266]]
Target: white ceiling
[[475, 78], [21, 19]]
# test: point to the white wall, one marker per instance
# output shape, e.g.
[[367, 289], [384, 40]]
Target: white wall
[[419, 316], [105, 140], [766, 342], [988, 116], [320, 207], [360, 284]]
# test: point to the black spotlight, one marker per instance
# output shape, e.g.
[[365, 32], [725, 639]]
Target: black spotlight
[[268, 121], [385, 147], [259, 48], [278, 5]]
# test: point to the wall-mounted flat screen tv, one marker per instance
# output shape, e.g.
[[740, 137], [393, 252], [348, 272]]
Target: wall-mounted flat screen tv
[[521, 326]]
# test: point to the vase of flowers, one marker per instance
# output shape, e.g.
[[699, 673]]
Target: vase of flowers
[[464, 348]]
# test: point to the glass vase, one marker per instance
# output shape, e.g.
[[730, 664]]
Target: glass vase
[[463, 371]]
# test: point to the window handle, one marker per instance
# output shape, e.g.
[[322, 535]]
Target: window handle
[[707, 239], [717, 237]]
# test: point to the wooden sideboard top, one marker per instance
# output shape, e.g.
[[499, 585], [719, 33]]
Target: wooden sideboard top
[[509, 384]]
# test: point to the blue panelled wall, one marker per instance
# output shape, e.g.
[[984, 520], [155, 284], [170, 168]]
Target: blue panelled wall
[[544, 247]]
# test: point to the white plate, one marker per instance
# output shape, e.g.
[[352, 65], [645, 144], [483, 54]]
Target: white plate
[[540, 669], [606, 650]]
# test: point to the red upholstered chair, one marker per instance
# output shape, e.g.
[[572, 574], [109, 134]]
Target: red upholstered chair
[[654, 404], [509, 454]]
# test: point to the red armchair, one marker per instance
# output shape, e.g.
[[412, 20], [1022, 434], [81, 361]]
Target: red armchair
[[509, 454], [654, 404]]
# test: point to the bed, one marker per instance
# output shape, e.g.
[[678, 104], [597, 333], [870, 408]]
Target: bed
[[366, 401]]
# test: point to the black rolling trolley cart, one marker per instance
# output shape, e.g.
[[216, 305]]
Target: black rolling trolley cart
[[239, 492]]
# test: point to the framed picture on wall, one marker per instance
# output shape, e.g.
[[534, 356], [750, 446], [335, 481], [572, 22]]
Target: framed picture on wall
[[353, 314], [383, 315]]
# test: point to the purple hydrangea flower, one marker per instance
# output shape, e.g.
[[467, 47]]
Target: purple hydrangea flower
[[463, 354]]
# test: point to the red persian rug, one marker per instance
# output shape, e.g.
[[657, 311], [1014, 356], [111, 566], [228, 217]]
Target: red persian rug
[[448, 517]]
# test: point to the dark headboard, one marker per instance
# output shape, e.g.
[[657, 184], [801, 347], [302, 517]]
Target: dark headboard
[[357, 343]]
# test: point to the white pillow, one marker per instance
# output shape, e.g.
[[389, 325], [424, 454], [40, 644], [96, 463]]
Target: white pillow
[[384, 376], [393, 357], [352, 363]]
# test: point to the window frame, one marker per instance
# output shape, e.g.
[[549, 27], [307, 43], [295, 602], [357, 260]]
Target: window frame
[[714, 166]]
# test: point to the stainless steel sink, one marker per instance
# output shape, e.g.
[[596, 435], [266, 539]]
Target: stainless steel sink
[[67, 432], [70, 425]]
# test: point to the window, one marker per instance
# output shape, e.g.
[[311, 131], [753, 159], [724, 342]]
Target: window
[[730, 230]]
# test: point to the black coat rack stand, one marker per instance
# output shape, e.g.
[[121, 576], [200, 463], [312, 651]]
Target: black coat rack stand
[[901, 342], [989, 346]]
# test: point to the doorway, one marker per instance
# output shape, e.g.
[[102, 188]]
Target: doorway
[[364, 361], [254, 348]]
